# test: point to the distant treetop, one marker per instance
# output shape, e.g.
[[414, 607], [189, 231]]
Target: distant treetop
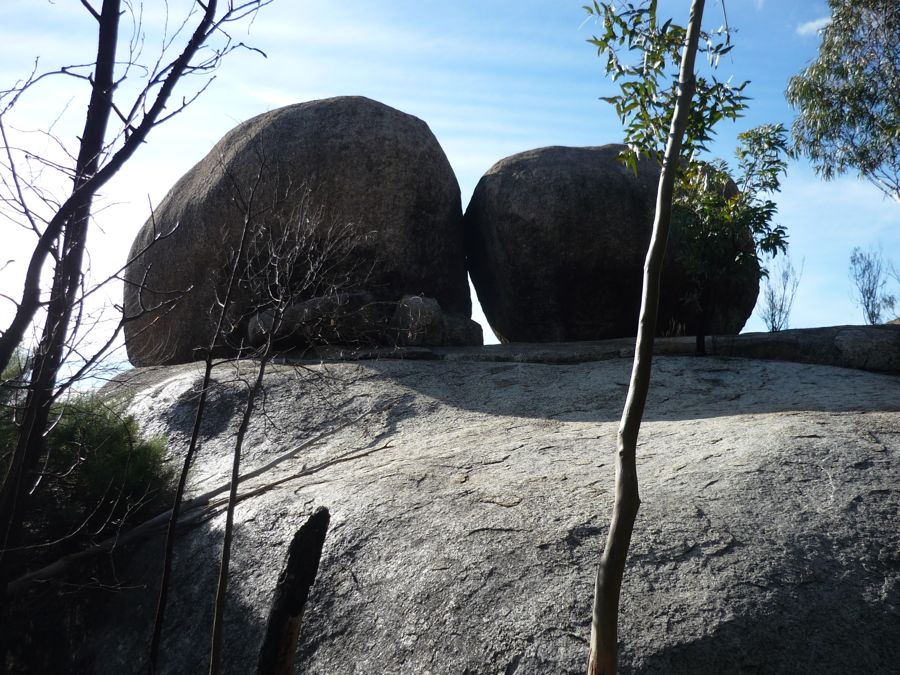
[[848, 99]]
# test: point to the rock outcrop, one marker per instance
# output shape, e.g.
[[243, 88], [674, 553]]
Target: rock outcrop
[[367, 193], [556, 239], [872, 348], [875, 348], [470, 503]]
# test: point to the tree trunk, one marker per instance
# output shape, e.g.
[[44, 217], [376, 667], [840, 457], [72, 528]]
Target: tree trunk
[[67, 277], [215, 658], [700, 342], [20, 477], [604, 620], [707, 309]]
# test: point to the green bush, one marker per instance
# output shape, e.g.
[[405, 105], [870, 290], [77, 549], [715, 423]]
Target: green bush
[[96, 462], [96, 472], [12, 380]]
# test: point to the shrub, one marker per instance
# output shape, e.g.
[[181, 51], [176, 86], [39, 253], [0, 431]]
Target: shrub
[[97, 471]]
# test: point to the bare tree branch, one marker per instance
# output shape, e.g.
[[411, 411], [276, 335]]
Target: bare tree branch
[[92, 182]]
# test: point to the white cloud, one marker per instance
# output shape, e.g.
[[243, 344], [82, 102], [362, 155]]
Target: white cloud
[[759, 3], [813, 27]]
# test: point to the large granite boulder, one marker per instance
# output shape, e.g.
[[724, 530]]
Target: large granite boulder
[[470, 503], [556, 239], [346, 177]]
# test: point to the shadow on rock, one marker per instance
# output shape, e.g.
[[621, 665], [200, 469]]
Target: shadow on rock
[[121, 640], [682, 388], [798, 617]]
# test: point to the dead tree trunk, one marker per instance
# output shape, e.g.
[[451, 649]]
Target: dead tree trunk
[[67, 278], [604, 622], [276, 657]]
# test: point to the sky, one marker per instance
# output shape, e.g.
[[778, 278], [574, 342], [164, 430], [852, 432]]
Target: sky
[[491, 78]]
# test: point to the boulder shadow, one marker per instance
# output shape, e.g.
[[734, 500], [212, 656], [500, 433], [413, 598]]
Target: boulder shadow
[[682, 387]]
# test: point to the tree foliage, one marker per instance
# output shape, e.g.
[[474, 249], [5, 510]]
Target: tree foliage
[[725, 229], [97, 471], [722, 211], [848, 99], [648, 84], [728, 226]]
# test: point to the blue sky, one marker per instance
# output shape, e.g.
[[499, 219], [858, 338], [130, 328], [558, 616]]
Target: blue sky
[[491, 78]]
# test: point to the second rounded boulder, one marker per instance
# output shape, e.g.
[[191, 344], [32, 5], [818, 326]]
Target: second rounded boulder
[[555, 242]]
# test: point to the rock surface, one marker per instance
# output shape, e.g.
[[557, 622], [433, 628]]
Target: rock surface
[[555, 242], [470, 503], [348, 165], [364, 322], [875, 348]]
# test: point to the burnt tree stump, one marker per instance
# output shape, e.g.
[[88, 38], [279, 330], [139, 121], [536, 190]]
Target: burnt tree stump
[[276, 656]]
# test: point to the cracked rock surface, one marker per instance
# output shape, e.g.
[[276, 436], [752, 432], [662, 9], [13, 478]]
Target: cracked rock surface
[[470, 503]]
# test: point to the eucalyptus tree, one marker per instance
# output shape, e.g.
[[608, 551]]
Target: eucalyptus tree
[[728, 226], [660, 121], [848, 99]]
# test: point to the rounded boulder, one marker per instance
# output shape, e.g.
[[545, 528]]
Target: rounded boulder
[[351, 176], [555, 242]]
